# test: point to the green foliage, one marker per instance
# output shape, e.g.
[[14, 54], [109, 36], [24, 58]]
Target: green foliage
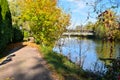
[[26, 34], [18, 34], [113, 72], [107, 26], [89, 26], [117, 34], [46, 20], [6, 32], [100, 31]]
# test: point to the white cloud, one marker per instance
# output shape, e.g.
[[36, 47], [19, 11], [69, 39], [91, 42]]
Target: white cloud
[[70, 0], [79, 5], [73, 0], [78, 9]]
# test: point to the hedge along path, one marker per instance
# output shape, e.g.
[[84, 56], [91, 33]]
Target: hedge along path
[[27, 64]]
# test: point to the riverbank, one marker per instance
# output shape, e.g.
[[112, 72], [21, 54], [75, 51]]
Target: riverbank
[[62, 66]]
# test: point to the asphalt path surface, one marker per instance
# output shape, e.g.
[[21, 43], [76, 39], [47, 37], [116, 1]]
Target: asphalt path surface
[[24, 64]]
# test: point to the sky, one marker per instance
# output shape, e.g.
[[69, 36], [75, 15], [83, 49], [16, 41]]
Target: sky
[[79, 11]]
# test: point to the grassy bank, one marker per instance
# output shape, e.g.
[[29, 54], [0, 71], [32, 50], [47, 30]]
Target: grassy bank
[[66, 69]]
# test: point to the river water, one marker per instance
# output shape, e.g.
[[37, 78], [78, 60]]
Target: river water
[[88, 52]]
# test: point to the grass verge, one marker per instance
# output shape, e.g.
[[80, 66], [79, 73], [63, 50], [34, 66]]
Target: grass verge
[[66, 69]]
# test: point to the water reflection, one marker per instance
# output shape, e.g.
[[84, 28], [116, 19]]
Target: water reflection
[[107, 50], [86, 52]]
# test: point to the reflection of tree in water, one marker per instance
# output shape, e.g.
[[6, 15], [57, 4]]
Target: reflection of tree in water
[[106, 50], [107, 53]]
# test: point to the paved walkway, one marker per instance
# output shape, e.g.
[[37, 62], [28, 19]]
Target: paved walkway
[[26, 64]]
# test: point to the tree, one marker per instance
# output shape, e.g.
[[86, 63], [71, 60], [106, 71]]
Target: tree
[[106, 25], [6, 31], [16, 21], [46, 20], [89, 26]]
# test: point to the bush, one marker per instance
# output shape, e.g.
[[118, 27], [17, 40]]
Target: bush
[[6, 31], [18, 34], [26, 34]]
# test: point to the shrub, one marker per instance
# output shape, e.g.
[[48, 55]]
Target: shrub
[[18, 34], [6, 31]]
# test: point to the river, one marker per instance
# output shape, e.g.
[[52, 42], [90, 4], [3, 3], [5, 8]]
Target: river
[[88, 52]]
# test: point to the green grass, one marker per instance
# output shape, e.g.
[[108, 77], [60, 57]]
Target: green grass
[[66, 69]]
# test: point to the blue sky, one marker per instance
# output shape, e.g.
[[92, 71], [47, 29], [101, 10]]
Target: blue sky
[[79, 10]]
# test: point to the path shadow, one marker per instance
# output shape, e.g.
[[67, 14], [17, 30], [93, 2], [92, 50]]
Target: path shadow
[[8, 52], [7, 59], [13, 47], [37, 72]]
